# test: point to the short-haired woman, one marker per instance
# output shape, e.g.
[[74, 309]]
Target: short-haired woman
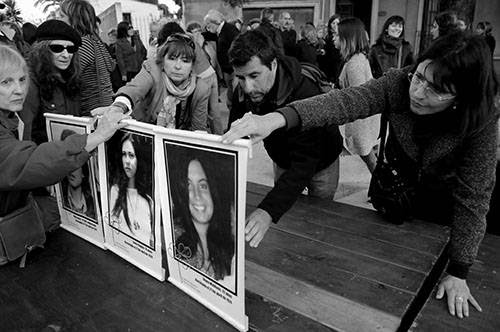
[[442, 140]]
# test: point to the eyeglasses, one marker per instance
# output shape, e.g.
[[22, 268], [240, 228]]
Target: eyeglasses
[[418, 79], [59, 48], [181, 37]]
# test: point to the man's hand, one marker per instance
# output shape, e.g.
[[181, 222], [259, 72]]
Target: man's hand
[[257, 225], [257, 127], [458, 296]]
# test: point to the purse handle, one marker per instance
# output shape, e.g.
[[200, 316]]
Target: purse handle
[[382, 134]]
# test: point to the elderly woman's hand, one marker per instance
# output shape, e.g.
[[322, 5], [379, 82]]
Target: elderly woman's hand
[[257, 127], [458, 296], [106, 127]]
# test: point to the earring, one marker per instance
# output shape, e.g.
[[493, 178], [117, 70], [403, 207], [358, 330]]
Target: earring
[[454, 107]]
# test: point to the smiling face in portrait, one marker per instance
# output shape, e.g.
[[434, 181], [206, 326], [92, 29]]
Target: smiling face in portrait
[[129, 159], [255, 78], [61, 59], [75, 178], [425, 97], [13, 89], [201, 205]]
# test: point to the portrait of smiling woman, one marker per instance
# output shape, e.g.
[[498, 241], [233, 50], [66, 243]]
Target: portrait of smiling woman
[[202, 189], [130, 204]]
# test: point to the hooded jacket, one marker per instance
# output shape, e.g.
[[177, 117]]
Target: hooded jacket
[[301, 154]]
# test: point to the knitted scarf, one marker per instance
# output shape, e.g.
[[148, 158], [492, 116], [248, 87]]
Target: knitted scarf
[[175, 94]]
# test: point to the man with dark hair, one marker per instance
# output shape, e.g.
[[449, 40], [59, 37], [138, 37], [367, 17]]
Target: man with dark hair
[[268, 80]]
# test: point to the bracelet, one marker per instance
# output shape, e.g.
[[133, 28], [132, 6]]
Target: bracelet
[[122, 106]]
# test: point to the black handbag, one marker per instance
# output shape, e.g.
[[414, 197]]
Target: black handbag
[[20, 231], [390, 193]]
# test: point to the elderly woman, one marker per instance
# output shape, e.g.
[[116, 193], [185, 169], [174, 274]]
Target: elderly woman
[[166, 91], [25, 165], [54, 77], [442, 140]]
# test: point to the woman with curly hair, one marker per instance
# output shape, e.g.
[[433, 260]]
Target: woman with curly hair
[[130, 196], [203, 203], [55, 77]]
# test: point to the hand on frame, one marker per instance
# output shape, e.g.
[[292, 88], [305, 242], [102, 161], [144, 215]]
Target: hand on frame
[[458, 296], [257, 225]]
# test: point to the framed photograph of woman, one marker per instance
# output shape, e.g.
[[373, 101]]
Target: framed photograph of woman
[[203, 190], [77, 193], [127, 169]]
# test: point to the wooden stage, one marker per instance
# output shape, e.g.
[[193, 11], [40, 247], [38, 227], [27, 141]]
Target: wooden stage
[[325, 266]]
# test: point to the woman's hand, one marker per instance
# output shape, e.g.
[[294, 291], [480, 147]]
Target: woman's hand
[[458, 296], [257, 127], [106, 127]]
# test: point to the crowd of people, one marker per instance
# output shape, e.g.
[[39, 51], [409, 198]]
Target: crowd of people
[[440, 109]]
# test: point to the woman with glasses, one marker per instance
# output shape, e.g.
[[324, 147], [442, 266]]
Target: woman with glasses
[[129, 51], [166, 91], [54, 79], [442, 140]]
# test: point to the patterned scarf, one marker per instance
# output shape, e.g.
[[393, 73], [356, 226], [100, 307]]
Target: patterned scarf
[[175, 94]]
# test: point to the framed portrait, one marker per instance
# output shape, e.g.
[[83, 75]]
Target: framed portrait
[[203, 194], [77, 194], [129, 195]]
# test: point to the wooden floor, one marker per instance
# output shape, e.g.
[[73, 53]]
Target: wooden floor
[[484, 284], [325, 266]]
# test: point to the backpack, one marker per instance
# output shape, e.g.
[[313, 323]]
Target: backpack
[[317, 76]]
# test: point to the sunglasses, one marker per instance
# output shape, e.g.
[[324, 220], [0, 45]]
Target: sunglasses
[[181, 37], [59, 48]]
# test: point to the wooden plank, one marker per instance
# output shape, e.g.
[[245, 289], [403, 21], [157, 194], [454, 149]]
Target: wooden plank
[[484, 284], [324, 270], [354, 212], [333, 310], [391, 234]]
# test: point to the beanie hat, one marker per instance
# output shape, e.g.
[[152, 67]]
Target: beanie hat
[[57, 30]]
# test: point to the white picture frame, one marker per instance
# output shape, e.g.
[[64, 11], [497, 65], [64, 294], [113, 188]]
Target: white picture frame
[[202, 180], [131, 212], [77, 194]]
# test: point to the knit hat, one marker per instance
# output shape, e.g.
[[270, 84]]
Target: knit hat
[[57, 30]]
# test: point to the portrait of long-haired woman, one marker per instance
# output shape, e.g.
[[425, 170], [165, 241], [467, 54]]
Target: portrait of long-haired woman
[[202, 188], [130, 204], [76, 188]]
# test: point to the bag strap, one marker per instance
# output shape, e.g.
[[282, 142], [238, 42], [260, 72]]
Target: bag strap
[[400, 56], [382, 135]]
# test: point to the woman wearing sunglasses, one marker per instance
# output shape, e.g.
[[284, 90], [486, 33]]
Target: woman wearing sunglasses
[[442, 139], [54, 78], [166, 91]]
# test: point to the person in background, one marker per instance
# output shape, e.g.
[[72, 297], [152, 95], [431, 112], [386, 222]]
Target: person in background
[[166, 91], [54, 78], [130, 52], [29, 31], [24, 164], [253, 23], [444, 23], [226, 33], [442, 140], [484, 29], [267, 27], [204, 69], [154, 28], [308, 48], [96, 63], [360, 136], [237, 23], [268, 80], [331, 62], [391, 50], [288, 33], [116, 77]]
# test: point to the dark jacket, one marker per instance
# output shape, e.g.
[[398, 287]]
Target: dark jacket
[[227, 34], [289, 38], [454, 175], [129, 59], [385, 53], [272, 32], [26, 166], [302, 154], [306, 52], [331, 62], [35, 106]]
